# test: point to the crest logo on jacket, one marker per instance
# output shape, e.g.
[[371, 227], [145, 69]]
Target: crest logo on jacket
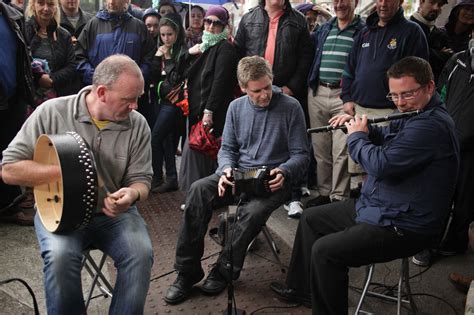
[[392, 44]]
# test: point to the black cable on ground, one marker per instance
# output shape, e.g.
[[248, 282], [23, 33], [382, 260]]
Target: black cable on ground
[[269, 260], [389, 290], [438, 298], [174, 270], [35, 304], [275, 307]]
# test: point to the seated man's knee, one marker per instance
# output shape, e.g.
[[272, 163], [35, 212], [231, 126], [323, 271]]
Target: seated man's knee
[[60, 259], [201, 187], [322, 250], [138, 253]]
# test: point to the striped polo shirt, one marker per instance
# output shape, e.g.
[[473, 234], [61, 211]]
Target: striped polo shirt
[[336, 49]]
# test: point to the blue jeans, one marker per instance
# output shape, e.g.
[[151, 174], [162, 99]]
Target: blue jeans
[[124, 238], [162, 144]]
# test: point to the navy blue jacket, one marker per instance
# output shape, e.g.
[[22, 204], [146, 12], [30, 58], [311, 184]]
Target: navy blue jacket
[[319, 38], [106, 35], [412, 166], [375, 49]]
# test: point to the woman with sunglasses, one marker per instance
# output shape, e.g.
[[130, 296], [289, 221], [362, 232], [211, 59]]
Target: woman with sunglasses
[[167, 73], [212, 80]]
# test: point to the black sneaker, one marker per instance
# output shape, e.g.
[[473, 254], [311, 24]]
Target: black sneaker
[[215, 282], [423, 258]]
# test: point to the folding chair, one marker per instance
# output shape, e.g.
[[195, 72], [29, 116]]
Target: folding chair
[[403, 280], [94, 269], [271, 242]]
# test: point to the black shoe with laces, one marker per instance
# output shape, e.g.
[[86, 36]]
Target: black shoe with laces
[[182, 287], [291, 295], [215, 282], [156, 183], [168, 186]]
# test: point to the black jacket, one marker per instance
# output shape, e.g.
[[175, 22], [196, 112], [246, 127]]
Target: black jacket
[[456, 84], [212, 80], [62, 61], [437, 40], [25, 86], [84, 17], [293, 48]]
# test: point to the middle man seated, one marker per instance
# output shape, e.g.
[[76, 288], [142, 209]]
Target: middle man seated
[[263, 128]]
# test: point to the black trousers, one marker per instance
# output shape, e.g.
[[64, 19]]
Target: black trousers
[[11, 120], [201, 199], [463, 202], [329, 241]]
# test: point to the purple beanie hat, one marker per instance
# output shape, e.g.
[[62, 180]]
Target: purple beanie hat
[[220, 12], [304, 7]]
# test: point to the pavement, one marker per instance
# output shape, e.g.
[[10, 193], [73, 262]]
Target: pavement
[[19, 258]]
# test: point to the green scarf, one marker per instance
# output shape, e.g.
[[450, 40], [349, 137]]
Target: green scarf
[[209, 39]]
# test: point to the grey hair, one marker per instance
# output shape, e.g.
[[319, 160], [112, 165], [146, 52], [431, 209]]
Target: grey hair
[[109, 70], [252, 69]]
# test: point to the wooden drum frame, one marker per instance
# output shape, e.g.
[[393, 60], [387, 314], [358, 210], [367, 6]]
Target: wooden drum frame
[[69, 203]]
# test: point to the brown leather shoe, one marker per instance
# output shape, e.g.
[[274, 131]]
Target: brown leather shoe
[[24, 217], [460, 282]]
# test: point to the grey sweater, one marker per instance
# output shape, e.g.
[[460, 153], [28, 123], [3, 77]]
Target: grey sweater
[[124, 147], [274, 136]]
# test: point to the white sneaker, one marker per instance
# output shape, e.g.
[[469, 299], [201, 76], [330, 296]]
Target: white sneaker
[[305, 191], [294, 208]]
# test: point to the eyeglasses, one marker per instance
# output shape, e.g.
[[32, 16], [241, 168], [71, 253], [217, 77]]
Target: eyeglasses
[[407, 96], [215, 22]]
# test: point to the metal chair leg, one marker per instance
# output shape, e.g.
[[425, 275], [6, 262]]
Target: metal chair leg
[[368, 279], [272, 243], [98, 278], [406, 276], [402, 281]]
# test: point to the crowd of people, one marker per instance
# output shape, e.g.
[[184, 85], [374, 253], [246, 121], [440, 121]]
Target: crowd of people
[[137, 84]]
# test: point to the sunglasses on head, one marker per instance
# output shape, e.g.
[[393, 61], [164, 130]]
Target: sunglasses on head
[[215, 22]]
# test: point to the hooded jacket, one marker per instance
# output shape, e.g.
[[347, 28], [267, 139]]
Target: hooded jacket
[[293, 50], [375, 49], [437, 40], [108, 34], [457, 84], [174, 67], [457, 42]]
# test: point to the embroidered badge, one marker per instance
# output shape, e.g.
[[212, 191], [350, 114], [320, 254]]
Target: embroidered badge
[[392, 44]]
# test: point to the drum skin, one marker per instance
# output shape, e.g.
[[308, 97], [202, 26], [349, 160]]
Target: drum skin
[[69, 203]]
